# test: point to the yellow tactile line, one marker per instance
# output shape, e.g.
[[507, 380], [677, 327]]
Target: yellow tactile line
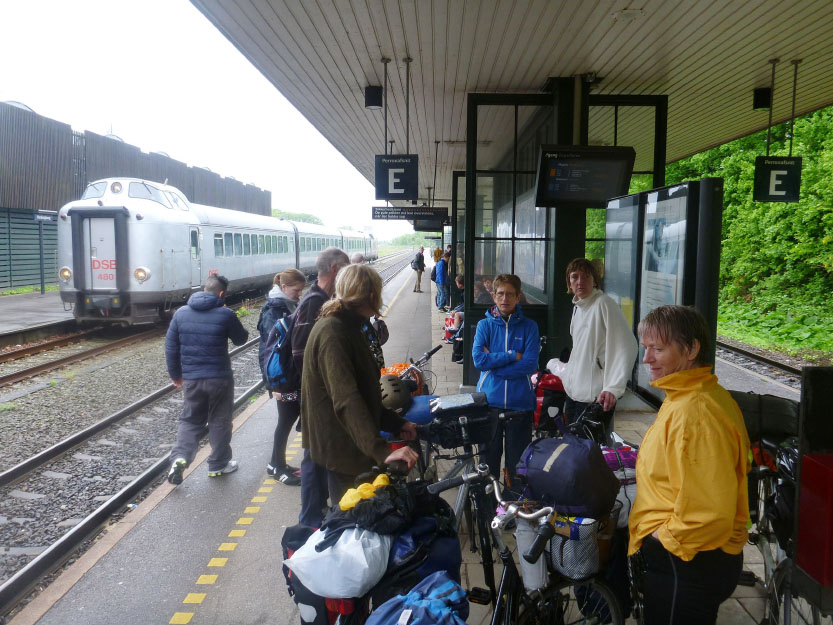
[[209, 579]]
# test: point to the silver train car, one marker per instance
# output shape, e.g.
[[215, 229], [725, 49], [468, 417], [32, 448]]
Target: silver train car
[[130, 250]]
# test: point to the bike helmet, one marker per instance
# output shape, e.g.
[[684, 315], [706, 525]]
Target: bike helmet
[[394, 394]]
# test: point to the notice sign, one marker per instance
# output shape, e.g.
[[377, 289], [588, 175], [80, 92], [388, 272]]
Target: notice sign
[[777, 179], [411, 212], [44, 215], [396, 176]]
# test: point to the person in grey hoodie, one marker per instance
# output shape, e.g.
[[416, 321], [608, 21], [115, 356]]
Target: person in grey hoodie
[[281, 301]]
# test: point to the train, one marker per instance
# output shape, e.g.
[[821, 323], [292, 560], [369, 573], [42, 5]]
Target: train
[[130, 250]]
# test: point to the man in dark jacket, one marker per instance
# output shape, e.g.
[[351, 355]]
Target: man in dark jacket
[[196, 352], [418, 265], [314, 490]]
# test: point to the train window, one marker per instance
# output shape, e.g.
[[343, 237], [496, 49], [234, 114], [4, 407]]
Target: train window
[[229, 248], [247, 249], [218, 245], [238, 245], [144, 191], [177, 200], [268, 241], [195, 244], [94, 191], [275, 247], [309, 243], [261, 249]]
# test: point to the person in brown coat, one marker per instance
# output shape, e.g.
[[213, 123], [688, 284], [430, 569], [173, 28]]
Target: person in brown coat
[[341, 402]]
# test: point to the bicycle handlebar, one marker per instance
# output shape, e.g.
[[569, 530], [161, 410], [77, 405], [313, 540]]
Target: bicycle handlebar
[[543, 533], [426, 356], [480, 475]]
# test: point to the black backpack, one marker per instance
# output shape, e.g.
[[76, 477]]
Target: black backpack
[[434, 273]]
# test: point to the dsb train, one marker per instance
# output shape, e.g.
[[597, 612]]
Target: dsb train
[[131, 250]]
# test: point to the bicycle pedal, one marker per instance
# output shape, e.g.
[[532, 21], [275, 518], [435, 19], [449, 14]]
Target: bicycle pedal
[[747, 578], [480, 596]]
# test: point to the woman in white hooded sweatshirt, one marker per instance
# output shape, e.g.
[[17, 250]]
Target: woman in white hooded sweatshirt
[[604, 347]]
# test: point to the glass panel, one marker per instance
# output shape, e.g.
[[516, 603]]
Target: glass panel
[[229, 249], [491, 258], [531, 268], [535, 128], [261, 244], [634, 126], [595, 229], [247, 249], [268, 242], [218, 245], [620, 254], [238, 245], [489, 186], [495, 137], [195, 245]]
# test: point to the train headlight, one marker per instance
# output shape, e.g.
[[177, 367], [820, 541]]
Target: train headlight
[[115, 187], [65, 274], [141, 274]]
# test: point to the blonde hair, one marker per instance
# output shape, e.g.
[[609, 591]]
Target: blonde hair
[[356, 286], [289, 277]]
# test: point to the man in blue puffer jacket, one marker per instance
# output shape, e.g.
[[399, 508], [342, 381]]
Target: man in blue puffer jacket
[[196, 352], [505, 351]]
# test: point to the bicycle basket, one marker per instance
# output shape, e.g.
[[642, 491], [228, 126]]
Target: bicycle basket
[[456, 431], [574, 550]]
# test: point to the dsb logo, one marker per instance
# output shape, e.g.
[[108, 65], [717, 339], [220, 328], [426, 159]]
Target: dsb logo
[[104, 264]]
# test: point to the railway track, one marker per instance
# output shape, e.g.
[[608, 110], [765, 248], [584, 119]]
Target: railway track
[[758, 358], [28, 478]]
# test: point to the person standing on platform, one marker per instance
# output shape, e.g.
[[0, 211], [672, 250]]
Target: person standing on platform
[[505, 350], [438, 254], [196, 353], [604, 348], [443, 290], [418, 265], [314, 477], [281, 302], [357, 259], [689, 518]]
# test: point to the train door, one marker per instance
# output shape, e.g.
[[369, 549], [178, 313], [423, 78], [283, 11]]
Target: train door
[[196, 257], [101, 243]]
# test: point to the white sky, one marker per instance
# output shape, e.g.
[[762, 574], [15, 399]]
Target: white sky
[[164, 79]]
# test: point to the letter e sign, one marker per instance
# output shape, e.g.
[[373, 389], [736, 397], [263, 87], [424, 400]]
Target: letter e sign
[[777, 179], [396, 176]]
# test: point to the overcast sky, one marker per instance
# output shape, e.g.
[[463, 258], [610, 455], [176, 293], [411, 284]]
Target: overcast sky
[[162, 78]]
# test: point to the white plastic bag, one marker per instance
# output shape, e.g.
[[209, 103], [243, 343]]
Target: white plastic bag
[[557, 367], [350, 568]]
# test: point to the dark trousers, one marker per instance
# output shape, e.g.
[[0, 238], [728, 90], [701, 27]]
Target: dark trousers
[[514, 435], [206, 402], [316, 484], [288, 412], [687, 593]]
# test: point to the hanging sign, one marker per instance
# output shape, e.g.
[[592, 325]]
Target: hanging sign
[[410, 212], [44, 215], [777, 179], [396, 176]]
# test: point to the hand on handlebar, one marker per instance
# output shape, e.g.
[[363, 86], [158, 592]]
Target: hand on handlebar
[[405, 454], [607, 400]]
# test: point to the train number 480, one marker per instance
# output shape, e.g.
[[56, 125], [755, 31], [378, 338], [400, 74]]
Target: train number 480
[[106, 276]]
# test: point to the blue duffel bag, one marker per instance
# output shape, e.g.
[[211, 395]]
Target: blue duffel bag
[[436, 600]]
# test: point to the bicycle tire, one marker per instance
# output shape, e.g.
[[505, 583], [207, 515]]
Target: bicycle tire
[[566, 602], [766, 539], [782, 607]]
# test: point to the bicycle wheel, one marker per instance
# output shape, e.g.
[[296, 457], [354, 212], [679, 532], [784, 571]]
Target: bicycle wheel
[[567, 602], [765, 538], [783, 607]]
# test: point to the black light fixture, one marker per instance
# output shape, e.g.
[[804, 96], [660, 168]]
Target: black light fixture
[[761, 98], [373, 98]]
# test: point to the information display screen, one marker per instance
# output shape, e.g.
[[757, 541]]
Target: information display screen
[[582, 176]]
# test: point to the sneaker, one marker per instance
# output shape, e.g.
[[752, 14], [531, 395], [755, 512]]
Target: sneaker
[[285, 475], [175, 474], [231, 467]]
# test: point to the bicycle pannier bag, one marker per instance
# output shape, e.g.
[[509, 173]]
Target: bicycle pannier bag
[[571, 473], [312, 608], [436, 600]]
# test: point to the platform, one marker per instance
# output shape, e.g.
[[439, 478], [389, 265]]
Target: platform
[[208, 551], [30, 311]]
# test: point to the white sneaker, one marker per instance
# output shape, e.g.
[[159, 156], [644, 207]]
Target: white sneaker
[[231, 467]]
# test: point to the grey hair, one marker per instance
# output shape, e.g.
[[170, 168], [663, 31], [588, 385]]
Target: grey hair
[[329, 257]]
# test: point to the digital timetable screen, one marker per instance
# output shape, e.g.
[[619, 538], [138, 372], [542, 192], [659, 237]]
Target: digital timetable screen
[[582, 176]]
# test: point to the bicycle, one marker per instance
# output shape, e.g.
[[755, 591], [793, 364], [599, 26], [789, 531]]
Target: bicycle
[[419, 378], [561, 600]]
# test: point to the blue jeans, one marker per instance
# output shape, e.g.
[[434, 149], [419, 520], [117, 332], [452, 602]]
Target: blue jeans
[[442, 295]]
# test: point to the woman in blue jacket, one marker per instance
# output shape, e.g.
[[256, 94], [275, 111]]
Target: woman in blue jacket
[[505, 351]]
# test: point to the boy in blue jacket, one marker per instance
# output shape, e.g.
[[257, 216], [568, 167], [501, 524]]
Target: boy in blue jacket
[[505, 351]]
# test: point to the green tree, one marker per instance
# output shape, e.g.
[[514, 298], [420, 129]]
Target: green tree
[[305, 217]]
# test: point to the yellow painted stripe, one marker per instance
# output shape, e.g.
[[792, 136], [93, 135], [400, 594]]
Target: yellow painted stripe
[[194, 597], [396, 297], [227, 547], [181, 618], [259, 499], [207, 579], [265, 489], [270, 481], [236, 533], [245, 520], [217, 561], [294, 445], [252, 509]]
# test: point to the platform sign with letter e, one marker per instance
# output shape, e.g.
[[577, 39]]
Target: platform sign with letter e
[[397, 177], [777, 179]]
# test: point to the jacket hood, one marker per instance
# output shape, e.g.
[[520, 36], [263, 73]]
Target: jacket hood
[[277, 297], [686, 381], [493, 314], [204, 301]]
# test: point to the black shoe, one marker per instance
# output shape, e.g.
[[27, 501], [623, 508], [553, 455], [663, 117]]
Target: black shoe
[[175, 473], [285, 475]]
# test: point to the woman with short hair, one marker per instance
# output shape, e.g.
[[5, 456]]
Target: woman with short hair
[[691, 510], [281, 302], [341, 402]]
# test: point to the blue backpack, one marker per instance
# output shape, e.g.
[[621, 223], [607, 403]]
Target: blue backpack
[[279, 373]]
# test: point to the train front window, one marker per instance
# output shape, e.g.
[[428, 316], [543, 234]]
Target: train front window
[[144, 191], [94, 190]]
